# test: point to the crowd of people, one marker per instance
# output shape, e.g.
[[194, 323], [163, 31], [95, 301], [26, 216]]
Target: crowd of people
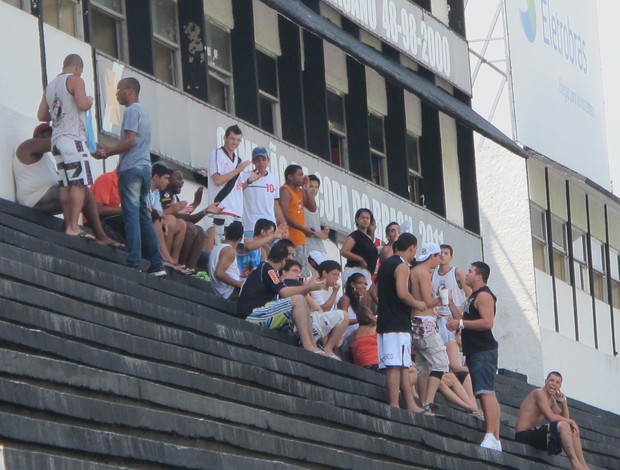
[[405, 313]]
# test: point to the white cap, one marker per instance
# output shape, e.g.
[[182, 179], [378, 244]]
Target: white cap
[[427, 250]]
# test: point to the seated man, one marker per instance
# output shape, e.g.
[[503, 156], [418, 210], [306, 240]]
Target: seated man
[[170, 231], [223, 268], [561, 432], [255, 250], [266, 301], [327, 325], [194, 236], [36, 182], [108, 200]]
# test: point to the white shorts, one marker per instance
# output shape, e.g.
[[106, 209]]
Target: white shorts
[[72, 162], [324, 322], [394, 350]]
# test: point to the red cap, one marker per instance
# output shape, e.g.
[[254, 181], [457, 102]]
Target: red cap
[[41, 129]]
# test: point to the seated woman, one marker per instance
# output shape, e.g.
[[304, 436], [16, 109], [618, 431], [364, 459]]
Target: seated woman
[[363, 342], [355, 296]]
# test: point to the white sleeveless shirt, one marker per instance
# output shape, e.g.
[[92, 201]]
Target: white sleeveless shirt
[[448, 281], [220, 288], [67, 119], [34, 180]]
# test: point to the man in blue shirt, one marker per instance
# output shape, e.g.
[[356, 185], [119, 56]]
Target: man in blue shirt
[[134, 177]]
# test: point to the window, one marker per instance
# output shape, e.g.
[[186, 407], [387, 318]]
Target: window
[[376, 137], [337, 128], [108, 21], [560, 252], [580, 260], [268, 93], [165, 41], [538, 220], [414, 167], [220, 67], [599, 271], [614, 273], [63, 15]]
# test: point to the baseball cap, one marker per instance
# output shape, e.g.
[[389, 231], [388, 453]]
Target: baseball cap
[[427, 250], [260, 152], [41, 129]]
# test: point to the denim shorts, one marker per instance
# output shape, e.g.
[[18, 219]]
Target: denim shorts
[[482, 368]]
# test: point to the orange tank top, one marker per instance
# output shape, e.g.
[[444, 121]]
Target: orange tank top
[[364, 350], [295, 211]]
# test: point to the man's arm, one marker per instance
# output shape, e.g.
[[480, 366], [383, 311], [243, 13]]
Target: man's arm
[[227, 257], [308, 287], [543, 404], [484, 304], [460, 280], [220, 179], [402, 288], [43, 114], [261, 240], [129, 140], [31, 150], [331, 300], [76, 86], [277, 210]]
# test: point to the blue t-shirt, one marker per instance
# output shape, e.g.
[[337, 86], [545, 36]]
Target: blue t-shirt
[[136, 120]]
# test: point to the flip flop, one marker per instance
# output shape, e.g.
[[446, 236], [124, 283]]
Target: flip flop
[[85, 235]]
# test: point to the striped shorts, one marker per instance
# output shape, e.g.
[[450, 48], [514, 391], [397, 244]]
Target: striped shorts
[[273, 315]]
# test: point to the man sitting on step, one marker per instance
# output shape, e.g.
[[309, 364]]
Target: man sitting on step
[[562, 433], [266, 301]]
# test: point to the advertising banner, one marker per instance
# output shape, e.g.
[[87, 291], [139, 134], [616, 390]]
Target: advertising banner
[[557, 83]]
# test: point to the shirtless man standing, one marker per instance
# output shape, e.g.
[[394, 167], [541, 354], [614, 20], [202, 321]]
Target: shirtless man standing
[[431, 357], [562, 433]]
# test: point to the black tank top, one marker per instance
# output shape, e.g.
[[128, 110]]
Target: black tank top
[[477, 341], [393, 316]]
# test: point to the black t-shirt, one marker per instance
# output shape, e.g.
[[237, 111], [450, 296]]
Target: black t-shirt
[[365, 248], [477, 341], [393, 315], [262, 286]]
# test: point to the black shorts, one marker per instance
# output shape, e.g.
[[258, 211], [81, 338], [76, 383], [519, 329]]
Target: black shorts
[[544, 437]]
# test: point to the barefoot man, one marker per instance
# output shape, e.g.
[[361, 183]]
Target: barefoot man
[[561, 433]]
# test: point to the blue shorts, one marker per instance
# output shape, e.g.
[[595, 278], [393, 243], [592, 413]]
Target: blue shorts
[[482, 368]]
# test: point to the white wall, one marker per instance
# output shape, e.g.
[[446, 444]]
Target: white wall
[[589, 375], [505, 228], [21, 83]]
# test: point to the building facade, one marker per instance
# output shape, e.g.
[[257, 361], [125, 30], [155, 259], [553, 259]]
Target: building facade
[[549, 223]]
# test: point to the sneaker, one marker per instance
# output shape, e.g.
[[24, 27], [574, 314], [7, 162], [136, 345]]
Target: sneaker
[[489, 442], [157, 272]]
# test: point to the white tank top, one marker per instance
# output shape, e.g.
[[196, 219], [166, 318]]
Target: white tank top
[[221, 289], [34, 180], [67, 119], [448, 281]]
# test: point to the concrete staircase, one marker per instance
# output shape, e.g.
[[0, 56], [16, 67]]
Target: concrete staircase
[[105, 367]]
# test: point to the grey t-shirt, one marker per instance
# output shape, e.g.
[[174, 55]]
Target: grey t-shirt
[[135, 119]]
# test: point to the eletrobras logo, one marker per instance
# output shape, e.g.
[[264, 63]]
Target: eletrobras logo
[[528, 20], [553, 25]]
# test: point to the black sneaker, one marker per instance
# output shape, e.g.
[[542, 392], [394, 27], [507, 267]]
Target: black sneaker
[[157, 272]]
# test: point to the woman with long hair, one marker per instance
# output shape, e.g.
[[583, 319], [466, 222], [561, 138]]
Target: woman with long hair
[[355, 296], [359, 248]]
